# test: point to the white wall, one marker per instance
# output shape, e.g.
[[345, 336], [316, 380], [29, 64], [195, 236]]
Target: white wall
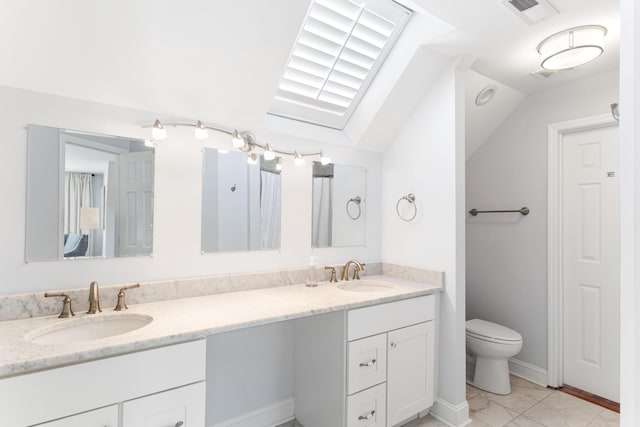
[[427, 159], [178, 189], [630, 214], [507, 254]]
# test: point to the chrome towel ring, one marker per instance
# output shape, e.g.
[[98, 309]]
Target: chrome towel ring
[[411, 199], [357, 200]]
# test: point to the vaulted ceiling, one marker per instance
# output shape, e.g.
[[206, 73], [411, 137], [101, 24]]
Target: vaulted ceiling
[[220, 61]]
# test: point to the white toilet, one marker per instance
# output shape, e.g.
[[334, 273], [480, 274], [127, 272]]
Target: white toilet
[[490, 346]]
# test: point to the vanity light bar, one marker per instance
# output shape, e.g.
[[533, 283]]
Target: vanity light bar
[[241, 140]]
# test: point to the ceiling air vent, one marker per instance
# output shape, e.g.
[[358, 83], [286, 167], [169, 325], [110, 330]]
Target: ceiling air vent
[[530, 11], [523, 5]]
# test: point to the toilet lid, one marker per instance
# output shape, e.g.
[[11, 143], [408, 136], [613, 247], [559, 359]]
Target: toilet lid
[[482, 328]]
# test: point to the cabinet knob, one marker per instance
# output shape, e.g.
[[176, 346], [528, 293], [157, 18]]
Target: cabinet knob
[[393, 345], [369, 363], [179, 423], [368, 416]]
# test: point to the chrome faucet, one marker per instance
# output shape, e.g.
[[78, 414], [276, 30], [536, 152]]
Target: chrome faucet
[[356, 271], [94, 299]]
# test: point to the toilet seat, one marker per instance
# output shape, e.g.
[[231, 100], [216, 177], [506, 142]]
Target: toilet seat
[[492, 332]]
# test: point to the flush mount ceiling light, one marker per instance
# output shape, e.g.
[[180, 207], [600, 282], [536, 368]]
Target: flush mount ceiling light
[[572, 47], [241, 140], [486, 94]]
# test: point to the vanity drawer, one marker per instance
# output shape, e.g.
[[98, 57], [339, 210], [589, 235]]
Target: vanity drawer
[[367, 363], [368, 321], [367, 408]]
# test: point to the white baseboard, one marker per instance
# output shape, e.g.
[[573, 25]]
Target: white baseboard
[[450, 414], [272, 415], [528, 371]]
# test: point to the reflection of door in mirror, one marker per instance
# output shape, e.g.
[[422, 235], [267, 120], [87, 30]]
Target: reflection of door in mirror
[[88, 195], [240, 203], [338, 205]]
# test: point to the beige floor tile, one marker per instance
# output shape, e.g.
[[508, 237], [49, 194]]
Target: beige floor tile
[[478, 423], [485, 410], [529, 389], [515, 401], [523, 421], [606, 418], [472, 392], [430, 421], [563, 410]]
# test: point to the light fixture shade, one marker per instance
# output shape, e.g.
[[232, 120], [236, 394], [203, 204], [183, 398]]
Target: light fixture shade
[[298, 160], [252, 159], [200, 131], [236, 139], [158, 131], [324, 158], [279, 164], [572, 47], [268, 153]]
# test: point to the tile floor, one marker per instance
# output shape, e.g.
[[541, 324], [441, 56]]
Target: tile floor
[[528, 405]]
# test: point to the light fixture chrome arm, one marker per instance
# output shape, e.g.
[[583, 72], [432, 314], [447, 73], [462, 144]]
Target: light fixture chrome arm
[[242, 140], [191, 125]]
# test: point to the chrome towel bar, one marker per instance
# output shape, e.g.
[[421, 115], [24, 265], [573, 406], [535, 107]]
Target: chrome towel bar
[[523, 211]]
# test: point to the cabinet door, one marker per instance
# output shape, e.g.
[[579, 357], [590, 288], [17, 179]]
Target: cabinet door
[[103, 417], [182, 406], [410, 371]]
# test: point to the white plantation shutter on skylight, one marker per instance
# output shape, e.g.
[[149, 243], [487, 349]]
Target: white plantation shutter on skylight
[[340, 47]]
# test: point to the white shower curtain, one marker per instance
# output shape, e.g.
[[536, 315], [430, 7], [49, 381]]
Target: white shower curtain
[[78, 193], [270, 210], [321, 233]]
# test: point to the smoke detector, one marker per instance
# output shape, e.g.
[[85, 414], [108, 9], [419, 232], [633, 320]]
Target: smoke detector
[[530, 11]]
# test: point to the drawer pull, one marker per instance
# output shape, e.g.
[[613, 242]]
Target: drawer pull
[[367, 364], [368, 416], [393, 345], [179, 424]]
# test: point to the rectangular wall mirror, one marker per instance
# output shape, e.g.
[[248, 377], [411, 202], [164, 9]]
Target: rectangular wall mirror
[[88, 195], [339, 206], [240, 203]]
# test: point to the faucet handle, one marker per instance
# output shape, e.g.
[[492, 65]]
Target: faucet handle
[[121, 304], [66, 304], [333, 278]]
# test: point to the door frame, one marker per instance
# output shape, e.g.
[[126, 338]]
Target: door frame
[[555, 299]]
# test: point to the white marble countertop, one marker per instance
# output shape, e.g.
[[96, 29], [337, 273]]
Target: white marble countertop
[[188, 319]]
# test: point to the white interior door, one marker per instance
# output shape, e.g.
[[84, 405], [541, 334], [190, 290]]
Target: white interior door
[[135, 216], [591, 264]]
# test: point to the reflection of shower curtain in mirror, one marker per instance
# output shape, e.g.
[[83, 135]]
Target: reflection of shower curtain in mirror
[[78, 193], [270, 210], [321, 233]]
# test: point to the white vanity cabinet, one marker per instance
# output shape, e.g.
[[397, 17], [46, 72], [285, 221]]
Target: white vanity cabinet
[[152, 380], [368, 367], [103, 417], [405, 363]]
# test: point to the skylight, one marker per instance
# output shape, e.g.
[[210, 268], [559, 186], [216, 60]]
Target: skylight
[[340, 47]]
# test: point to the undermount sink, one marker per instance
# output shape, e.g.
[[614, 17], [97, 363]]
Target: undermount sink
[[364, 286], [89, 328]]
